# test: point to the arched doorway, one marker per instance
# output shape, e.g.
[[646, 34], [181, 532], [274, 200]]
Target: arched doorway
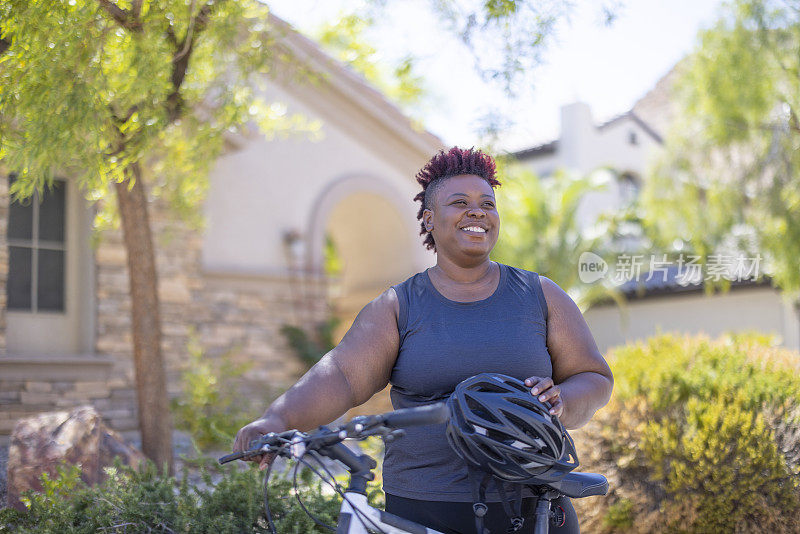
[[373, 249], [373, 228]]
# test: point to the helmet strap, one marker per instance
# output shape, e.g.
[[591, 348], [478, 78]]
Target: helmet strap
[[479, 480], [515, 514]]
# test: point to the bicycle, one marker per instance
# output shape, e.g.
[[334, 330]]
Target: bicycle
[[357, 516]]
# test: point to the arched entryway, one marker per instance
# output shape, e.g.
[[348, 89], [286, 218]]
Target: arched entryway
[[372, 226]]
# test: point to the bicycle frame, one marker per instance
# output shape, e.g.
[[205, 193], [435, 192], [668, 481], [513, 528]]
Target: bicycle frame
[[356, 512], [356, 516]]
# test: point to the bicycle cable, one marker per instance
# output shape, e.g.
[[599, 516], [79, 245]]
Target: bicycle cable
[[270, 523], [297, 491], [361, 516]]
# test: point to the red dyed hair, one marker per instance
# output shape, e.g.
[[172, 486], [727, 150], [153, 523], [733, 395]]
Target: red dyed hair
[[444, 165]]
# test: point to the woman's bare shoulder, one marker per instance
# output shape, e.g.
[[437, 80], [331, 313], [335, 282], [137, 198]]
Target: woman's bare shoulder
[[383, 305], [555, 296]]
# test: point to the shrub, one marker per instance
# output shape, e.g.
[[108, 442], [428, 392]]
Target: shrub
[[700, 436], [225, 501], [210, 407], [311, 347]]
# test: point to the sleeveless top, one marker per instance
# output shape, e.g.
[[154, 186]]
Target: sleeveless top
[[442, 342]]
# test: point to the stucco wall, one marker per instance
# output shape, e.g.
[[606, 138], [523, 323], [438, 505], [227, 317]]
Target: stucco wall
[[269, 187], [741, 309], [341, 185]]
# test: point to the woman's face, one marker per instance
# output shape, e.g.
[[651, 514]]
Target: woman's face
[[464, 219]]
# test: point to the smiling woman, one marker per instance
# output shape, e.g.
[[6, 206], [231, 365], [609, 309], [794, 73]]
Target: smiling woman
[[464, 316], [463, 217]]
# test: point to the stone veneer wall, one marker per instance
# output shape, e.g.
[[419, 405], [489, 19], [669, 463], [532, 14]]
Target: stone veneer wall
[[235, 314], [227, 313], [3, 258], [33, 384]]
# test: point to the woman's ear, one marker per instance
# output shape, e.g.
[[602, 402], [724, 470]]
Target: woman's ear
[[427, 220]]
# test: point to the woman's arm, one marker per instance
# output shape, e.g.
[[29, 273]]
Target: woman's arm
[[358, 367], [582, 381]]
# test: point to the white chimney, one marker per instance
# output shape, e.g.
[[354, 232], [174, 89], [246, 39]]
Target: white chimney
[[577, 131]]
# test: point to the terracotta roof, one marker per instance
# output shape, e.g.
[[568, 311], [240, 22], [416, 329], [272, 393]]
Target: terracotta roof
[[657, 107], [636, 119], [546, 148], [552, 146], [669, 283]]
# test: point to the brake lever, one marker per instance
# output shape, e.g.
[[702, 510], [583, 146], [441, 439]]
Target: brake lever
[[357, 425], [394, 434], [258, 446], [298, 446], [388, 435]]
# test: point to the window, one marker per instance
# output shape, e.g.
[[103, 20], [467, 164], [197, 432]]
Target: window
[[628, 185], [633, 139], [36, 245]]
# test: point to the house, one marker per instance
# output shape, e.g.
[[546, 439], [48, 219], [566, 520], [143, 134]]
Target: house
[[658, 301], [623, 143], [64, 306]]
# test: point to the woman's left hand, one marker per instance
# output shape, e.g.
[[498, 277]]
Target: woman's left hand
[[546, 391]]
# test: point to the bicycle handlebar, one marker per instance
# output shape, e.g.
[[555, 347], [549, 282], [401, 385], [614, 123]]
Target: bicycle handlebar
[[358, 428], [424, 415], [327, 442]]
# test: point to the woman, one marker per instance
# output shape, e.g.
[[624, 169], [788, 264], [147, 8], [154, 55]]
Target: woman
[[465, 315]]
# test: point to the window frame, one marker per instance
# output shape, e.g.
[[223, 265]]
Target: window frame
[[34, 244]]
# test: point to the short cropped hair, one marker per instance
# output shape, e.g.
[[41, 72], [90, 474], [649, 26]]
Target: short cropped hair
[[444, 165]]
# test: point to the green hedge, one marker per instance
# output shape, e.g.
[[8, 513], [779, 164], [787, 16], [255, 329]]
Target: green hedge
[[230, 501], [700, 436]]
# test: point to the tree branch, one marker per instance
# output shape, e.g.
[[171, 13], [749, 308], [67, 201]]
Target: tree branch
[[136, 9], [121, 16], [794, 122], [180, 61], [187, 41], [119, 120], [171, 37]]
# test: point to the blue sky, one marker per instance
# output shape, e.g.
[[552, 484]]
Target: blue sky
[[607, 67]]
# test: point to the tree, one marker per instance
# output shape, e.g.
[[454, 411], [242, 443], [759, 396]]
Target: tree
[[344, 39], [508, 38], [133, 98], [121, 94], [541, 232], [728, 181]]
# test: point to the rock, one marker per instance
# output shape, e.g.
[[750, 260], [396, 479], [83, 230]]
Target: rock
[[39, 444]]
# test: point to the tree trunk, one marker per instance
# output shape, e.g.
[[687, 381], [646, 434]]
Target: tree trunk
[[151, 386]]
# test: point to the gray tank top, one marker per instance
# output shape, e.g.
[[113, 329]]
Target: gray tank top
[[442, 342]]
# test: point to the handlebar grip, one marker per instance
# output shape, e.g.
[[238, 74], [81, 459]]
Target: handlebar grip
[[255, 446], [231, 457], [424, 415]]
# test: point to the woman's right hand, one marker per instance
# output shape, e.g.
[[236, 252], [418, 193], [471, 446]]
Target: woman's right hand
[[255, 430]]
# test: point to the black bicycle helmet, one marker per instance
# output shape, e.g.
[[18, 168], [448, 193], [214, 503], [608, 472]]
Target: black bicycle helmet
[[498, 426]]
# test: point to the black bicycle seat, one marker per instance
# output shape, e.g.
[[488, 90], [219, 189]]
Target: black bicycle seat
[[581, 485]]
